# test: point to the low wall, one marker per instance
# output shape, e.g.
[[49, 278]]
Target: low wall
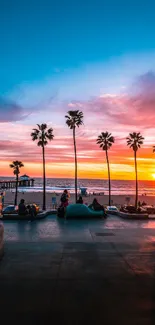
[[1, 240], [16, 216], [114, 213], [135, 216]]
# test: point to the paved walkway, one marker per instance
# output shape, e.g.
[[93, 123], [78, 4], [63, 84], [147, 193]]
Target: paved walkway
[[75, 272]]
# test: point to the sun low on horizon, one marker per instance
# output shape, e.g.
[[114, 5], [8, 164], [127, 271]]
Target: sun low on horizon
[[83, 57]]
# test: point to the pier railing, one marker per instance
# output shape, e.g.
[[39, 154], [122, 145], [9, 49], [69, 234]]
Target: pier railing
[[12, 183]]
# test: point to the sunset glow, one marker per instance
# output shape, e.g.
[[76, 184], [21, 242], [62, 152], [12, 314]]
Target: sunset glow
[[39, 84]]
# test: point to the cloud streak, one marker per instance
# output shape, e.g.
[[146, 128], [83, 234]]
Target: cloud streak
[[135, 108], [10, 111], [116, 113]]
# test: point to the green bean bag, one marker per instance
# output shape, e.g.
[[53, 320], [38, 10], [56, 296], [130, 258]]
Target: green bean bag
[[82, 211]]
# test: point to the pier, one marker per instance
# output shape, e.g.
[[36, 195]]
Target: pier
[[24, 181]]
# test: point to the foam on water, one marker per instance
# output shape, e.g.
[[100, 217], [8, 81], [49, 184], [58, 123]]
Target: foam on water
[[118, 187]]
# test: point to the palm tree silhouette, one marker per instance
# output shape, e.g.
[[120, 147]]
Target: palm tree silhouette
[[134, 141], [74, 119], [153, 148], [105, 140], [42, 135], [16, 165]]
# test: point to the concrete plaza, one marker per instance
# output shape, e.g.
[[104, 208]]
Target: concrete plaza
[[78, 271]]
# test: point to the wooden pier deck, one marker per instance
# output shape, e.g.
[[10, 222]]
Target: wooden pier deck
[[12, 183]]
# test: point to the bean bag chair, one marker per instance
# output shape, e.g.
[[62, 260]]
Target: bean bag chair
[[82, 211]]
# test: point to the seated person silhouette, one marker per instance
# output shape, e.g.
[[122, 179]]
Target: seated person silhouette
[[22, 210]]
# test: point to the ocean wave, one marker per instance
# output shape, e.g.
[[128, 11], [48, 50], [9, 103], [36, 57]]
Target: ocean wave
[[118, 187]]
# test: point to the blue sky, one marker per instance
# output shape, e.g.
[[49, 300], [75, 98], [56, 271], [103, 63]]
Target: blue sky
[[97, 56], [51, 39]]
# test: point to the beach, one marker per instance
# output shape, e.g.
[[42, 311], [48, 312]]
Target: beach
[[36, 197]]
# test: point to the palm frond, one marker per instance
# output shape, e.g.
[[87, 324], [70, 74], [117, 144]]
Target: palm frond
[[74, 118], [43, 127], [36, 130], [49, 134], [42, 134], [16, 165], [135, 140], [105, 140], [40, 143]]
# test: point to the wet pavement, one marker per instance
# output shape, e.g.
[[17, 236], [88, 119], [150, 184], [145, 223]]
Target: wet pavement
[[77, 271]]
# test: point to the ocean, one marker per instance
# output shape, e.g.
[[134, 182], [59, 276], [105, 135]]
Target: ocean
[[118, 187]]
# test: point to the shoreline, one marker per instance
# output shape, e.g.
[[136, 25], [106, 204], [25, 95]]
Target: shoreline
[[90, 191], [37, 197]]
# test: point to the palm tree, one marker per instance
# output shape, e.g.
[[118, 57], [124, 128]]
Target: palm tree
[[105, 140], [134, 141], [16, 165], [153, 148], [74, 119], [42, 135]]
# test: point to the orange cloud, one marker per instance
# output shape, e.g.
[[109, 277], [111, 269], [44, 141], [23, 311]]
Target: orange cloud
[[118, 114]]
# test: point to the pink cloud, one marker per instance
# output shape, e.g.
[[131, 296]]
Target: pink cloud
[[119, 114], [136, 108], [58, 151]]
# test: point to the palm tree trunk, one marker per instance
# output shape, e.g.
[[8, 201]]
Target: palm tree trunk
[[136, 199], [44, 180], [16, 193], [75, 164], [108, 178]]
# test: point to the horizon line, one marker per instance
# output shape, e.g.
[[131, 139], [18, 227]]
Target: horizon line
[[104, 179]]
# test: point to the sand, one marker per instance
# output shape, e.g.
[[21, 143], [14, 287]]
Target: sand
[[36, 197]]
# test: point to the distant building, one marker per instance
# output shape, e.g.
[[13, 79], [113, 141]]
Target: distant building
[[24, 177], [26, 181]]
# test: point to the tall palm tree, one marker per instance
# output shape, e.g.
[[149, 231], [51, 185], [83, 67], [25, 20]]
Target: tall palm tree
[[16, 165], [105, 140], [153, 148], [74, 119], [43, 135], [134, 141]]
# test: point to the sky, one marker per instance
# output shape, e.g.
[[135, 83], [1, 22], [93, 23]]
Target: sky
[[96, 56]]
